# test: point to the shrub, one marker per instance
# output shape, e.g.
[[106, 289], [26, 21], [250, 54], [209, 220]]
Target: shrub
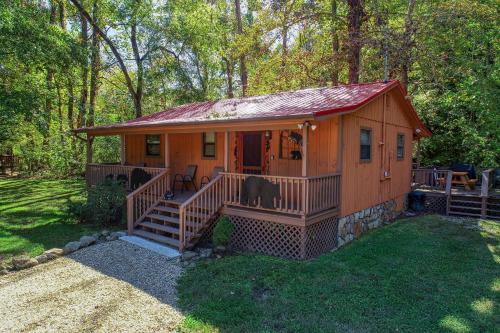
[[105, 204], [222, 231]]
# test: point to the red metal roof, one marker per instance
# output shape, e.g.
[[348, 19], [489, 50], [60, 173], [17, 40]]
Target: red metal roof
[[312, 102]]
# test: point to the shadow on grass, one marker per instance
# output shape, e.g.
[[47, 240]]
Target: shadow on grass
[[419, 275]]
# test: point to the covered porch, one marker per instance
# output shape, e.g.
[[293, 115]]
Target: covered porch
[[303, 182]]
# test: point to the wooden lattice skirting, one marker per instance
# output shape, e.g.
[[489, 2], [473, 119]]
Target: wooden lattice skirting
[[284, 240], [435, 203]]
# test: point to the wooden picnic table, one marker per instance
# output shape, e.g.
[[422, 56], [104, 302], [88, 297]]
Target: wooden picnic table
[[462, 178]]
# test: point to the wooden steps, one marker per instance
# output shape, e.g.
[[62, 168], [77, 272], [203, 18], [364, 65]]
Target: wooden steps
[[156, 237], [162, 224], [160, 227]]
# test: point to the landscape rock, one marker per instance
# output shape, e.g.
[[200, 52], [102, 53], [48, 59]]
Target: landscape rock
[[87, 240], [3, 272], [71, 247], [220, 249], [111, 237], [188, 255], [42, 258], [57, 252], [120, 233], [205, 253], [105, 233], [22, 262]]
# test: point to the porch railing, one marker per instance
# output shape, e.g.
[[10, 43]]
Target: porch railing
[[145, 198], [199, 209], [323, 192], [432, 178], [297, 195], [97, 173]]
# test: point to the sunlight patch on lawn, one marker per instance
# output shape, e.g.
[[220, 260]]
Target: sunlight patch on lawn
[[190, 324], [495, 285], [483, 306], [455, 324]]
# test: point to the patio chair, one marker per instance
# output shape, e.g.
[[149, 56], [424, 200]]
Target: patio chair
[[186, 179], [206, 179]]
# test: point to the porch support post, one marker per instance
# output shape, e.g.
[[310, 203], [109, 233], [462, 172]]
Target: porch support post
[[166, 151], [226, 151], [305, 144], [89, 148], [419, 156], [122, 150], [166, 157]]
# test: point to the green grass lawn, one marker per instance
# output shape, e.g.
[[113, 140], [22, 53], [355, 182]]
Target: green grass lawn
[[33, 215], [425, 274]]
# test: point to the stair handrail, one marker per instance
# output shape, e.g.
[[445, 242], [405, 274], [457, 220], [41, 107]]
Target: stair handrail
[[212, 204], [160, 184]]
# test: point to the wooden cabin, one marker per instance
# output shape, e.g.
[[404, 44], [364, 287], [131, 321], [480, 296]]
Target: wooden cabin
[[340, 158]]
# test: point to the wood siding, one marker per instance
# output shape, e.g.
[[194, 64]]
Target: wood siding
[[363, 184]]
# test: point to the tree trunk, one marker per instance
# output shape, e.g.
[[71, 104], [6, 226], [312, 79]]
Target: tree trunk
[[335, 45], [355, 18], [95, 65], [60, 114], [140, 71], [49, 84], [82, 105], [284, 44], [62, 14], [229, 76], [243, 68], [407, 44]]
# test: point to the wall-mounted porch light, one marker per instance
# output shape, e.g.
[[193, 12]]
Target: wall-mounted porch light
[[307, 123]]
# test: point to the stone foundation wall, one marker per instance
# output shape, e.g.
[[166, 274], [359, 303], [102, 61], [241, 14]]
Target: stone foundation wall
[[354, 225]]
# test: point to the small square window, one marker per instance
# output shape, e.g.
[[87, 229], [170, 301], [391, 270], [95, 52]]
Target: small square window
[[365, 147], [209, 145], [400, 151], [153, 145]]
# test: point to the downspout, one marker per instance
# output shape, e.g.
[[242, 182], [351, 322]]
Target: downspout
[[382, 143]]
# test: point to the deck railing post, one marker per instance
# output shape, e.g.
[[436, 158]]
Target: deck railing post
[[130, 215], [449, 178], [485, 188]]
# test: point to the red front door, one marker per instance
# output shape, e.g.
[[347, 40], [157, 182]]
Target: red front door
[[252, 152]]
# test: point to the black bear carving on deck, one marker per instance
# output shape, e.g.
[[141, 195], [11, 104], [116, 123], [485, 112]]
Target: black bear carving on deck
[[255, 187]]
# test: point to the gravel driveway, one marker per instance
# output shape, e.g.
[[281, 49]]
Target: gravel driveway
[[109, 287]]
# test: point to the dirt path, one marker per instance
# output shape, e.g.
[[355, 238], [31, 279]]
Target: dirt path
[[110, 287]]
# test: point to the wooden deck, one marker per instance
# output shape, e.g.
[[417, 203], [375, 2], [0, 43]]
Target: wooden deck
[[482, 202]]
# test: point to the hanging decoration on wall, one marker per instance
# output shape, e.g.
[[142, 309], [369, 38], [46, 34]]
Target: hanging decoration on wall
[[267, 162], [236, 161], [290, 145]]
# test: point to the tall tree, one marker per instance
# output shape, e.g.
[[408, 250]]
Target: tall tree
[[407, 43], [354, 19], [135, 94], [243, 68], [82, 104], [95, 66], [335, 43]]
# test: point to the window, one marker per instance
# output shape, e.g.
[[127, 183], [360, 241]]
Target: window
[[365, 150], [209, 145], [153, 145], [400, 152]]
